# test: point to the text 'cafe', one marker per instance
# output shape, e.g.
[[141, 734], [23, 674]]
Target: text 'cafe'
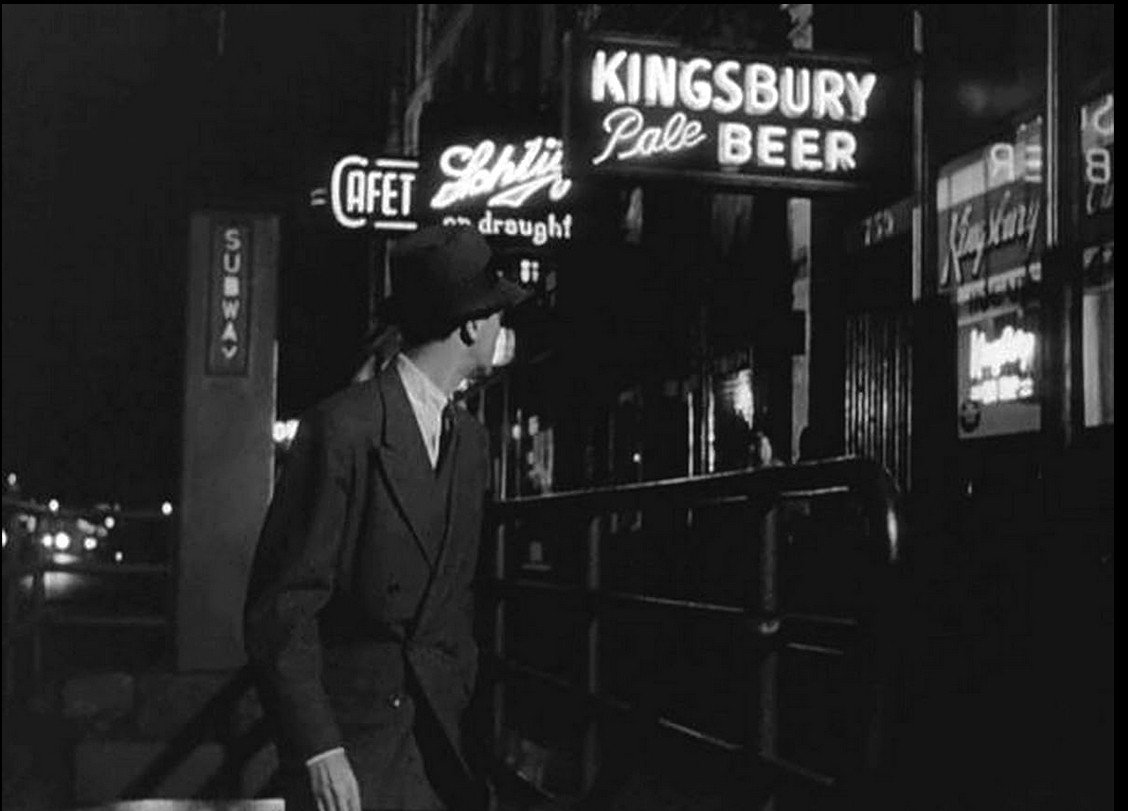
[[514, 191]]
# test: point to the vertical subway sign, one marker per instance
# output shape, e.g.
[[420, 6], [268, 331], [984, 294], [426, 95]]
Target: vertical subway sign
[[229, 300]]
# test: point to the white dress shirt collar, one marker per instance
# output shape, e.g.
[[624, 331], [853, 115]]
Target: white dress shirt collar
[[427, 401]]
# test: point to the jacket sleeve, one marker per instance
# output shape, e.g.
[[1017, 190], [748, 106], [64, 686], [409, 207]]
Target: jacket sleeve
[[292, 579]]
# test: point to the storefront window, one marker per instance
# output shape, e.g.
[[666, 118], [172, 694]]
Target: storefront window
[[986, 67], [1097, 308], [539, 456], [990, 206], [730, 420]]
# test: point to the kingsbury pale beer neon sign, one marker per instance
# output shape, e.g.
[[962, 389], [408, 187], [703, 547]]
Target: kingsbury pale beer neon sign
[[656, 109]]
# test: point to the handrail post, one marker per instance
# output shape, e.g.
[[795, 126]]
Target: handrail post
[[767, 627], [592, 685], [768, 497], [498, 692]]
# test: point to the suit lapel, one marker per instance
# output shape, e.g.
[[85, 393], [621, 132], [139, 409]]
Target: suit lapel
[[404, 460], [449, 551]]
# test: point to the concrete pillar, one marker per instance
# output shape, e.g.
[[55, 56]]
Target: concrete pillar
[[228, 451]]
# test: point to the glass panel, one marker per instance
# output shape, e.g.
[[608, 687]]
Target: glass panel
[[1098, 343], [1097, 256], [990, 208], [730, 423]]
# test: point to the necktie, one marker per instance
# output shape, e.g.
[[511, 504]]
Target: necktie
[[446, 433]]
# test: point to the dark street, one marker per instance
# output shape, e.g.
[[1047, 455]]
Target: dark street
[[501, 407]]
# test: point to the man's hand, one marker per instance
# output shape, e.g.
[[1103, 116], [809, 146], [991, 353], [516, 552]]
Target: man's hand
[[333, 783]]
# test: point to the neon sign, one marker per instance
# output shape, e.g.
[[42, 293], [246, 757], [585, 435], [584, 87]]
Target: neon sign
[[507, 176], [1009, 220], [998, 373], [1097, 131], [377, 192], [990, 210], [1001, 370], [505, 190], [803, 122], [1013, 347], [508, 191], [628, 138], [536, 231]]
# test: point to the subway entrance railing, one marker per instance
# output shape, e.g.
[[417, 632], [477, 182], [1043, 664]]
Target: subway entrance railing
[[84, 590], [728, 641]]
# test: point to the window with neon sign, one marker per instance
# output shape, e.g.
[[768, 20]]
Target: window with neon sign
[[1097, 260], [991, 213]]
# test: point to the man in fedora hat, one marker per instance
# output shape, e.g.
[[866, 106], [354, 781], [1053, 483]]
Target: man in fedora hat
[[358, 614]]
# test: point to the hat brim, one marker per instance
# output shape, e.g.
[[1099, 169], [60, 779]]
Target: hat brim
[[500, 296], [503, 295]]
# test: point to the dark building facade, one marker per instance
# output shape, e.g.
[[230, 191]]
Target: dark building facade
[[716, 308], [664, 328], [953, 321]]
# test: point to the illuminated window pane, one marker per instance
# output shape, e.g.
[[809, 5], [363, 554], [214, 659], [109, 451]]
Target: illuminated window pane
[[1097, 257], [730, 418], [1097, 352]]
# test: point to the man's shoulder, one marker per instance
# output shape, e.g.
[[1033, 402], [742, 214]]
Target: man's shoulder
[[351, 412]]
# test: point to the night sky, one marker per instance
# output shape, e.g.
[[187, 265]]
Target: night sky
[[118, 122]]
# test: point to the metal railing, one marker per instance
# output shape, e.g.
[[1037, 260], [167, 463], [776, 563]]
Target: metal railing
[[33, 621], [790, 570], [126, 590]]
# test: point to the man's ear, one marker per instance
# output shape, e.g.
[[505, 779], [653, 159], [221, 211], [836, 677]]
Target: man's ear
[[468, 332]]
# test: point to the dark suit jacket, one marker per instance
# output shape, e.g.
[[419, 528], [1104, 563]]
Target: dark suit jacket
[[358, 617]]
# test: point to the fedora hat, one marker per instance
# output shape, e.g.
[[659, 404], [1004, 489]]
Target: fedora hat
[[443, 275]]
